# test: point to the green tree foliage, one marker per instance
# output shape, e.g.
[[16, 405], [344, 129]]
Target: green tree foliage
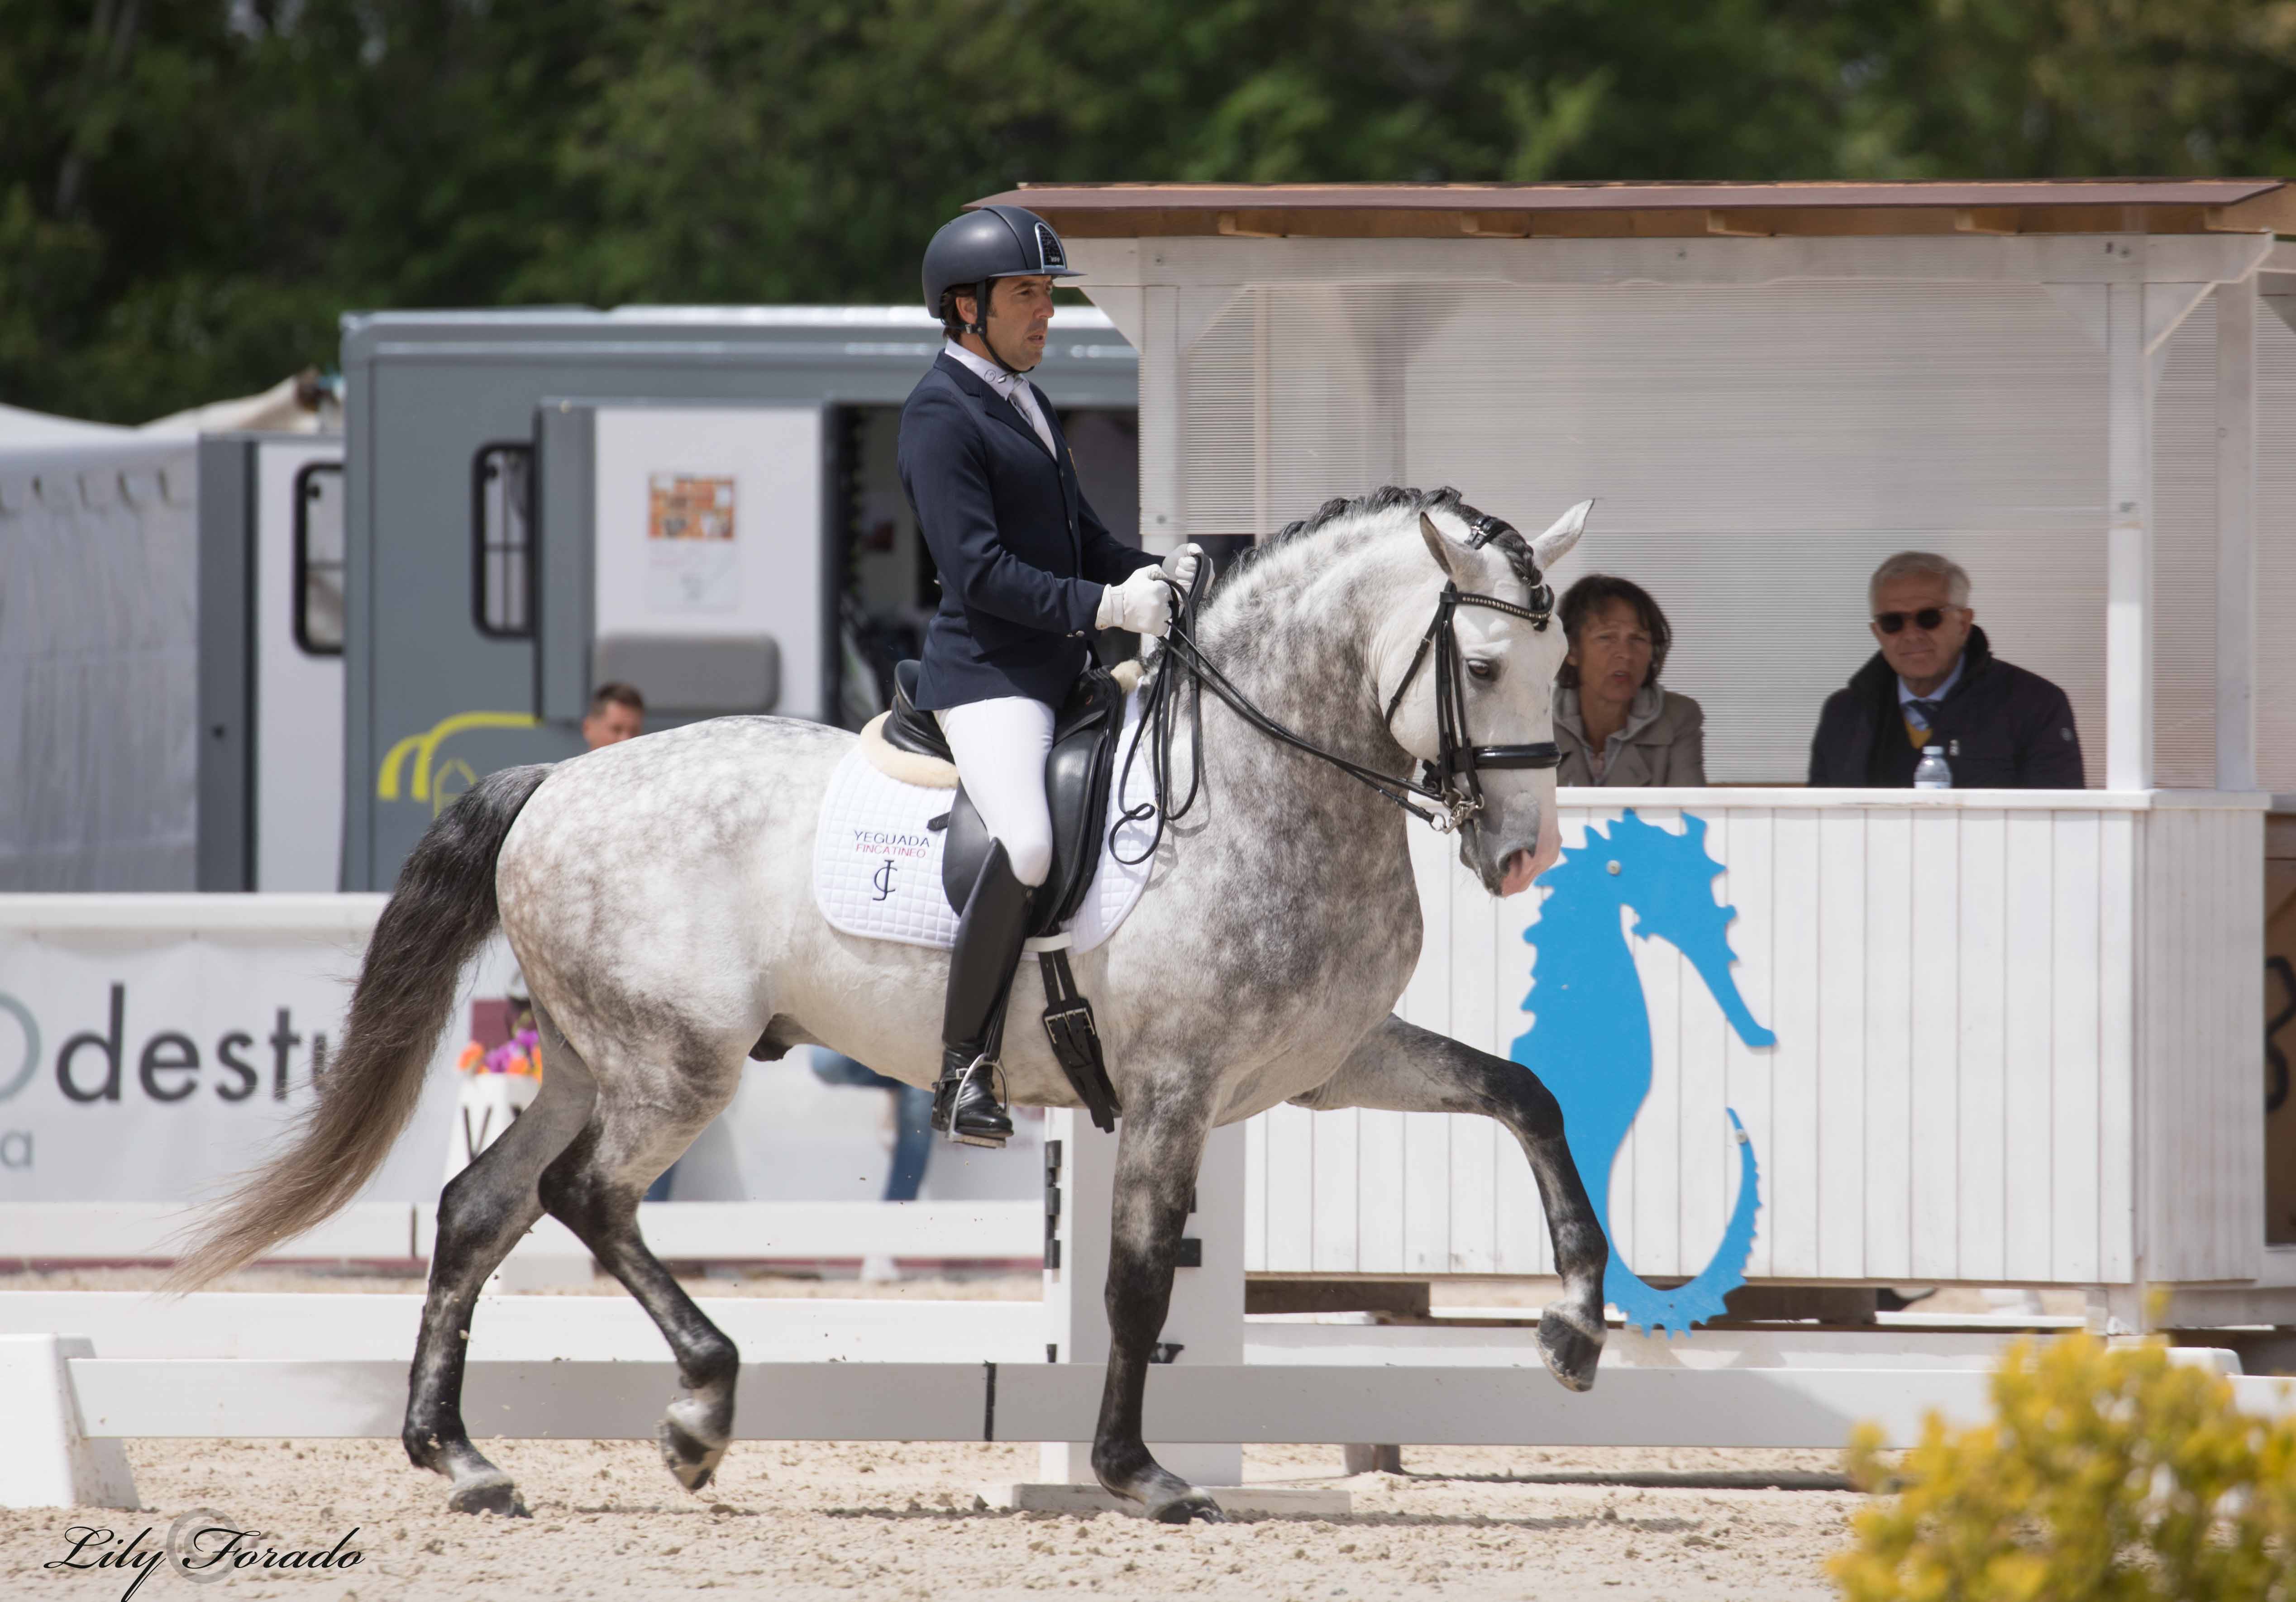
[[191, 191]]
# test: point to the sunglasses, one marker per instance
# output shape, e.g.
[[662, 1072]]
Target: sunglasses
[[1929, 616]]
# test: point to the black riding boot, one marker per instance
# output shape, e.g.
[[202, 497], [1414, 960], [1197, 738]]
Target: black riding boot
[[988, 936]]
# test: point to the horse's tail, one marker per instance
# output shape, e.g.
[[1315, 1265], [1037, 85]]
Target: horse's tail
[[441, 910], [1701, 1298]]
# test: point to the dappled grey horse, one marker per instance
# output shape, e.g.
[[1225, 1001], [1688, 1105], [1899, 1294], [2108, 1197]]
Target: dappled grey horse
[[658, 895]]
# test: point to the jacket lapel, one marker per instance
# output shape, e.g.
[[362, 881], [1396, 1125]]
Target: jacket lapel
[[1064, 462], [995, 404]]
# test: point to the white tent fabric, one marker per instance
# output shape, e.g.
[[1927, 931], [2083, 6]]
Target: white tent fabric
[[21, 428], [98, 664], [298, 403], [285, 408]]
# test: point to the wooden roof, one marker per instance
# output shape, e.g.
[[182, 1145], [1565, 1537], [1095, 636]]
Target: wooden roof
[[1662, 210]]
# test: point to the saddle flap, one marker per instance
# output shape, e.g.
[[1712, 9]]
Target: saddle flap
[[1078, 771]]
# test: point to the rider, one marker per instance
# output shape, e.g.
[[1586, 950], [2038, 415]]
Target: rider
[[1027, 570]]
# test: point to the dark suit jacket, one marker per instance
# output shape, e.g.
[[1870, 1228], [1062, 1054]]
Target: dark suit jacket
[[1023, 558], [2003, 728]]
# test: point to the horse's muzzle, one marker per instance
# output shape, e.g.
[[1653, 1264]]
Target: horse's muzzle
[[1518, 865]]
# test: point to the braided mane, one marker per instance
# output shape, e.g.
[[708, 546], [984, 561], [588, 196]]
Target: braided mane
[[1343, 511]]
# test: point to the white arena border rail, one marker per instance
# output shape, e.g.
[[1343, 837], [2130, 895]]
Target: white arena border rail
[[81, 1371], [62, 1233]]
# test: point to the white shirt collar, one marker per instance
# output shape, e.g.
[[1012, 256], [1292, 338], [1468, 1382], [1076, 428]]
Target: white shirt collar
[[996, 377], [1012, 386], [1906, 692]]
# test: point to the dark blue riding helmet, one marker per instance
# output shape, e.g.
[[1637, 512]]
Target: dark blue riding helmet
[[991, 242]]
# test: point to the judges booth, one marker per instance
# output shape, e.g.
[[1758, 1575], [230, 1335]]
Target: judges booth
[[2021, 1038]]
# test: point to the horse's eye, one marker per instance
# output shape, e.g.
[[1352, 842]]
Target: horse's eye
[[1484, 671]]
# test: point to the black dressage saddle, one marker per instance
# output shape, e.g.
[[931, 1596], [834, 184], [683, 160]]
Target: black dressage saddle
[[1078, 774]]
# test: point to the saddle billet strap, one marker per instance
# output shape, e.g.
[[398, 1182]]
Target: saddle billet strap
[[1076, 1039]]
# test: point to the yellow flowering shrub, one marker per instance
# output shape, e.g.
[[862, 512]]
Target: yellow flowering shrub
[[2107, 1474]]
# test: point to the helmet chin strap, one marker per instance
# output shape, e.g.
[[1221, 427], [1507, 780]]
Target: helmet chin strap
[[979, 325]]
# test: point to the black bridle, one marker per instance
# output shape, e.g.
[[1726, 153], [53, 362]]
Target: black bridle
[[1453, 777], [1451, 783]]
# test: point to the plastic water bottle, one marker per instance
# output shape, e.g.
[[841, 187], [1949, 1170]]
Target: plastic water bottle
[[1930, 773]]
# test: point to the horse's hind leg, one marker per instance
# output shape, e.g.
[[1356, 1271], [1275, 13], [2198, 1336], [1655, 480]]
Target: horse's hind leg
[[593, 1188], [482, 1213], [1158, 1153], [1401, 1068]]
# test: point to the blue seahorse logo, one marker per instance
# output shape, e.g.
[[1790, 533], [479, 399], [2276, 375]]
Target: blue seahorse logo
[[1590, 1036]]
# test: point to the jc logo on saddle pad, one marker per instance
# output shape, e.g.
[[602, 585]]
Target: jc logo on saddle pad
[[877, 858]]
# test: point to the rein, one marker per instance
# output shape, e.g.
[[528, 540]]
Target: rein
[[1449, 783]]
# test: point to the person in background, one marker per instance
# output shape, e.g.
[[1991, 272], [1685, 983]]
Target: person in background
[[1615, 724], [1936, 682], [617, 713]]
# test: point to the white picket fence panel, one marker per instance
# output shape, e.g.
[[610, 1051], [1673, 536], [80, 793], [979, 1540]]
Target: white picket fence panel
[[2005, 1024]]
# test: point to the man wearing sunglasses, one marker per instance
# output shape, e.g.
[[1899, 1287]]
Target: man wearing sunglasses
[[1936, 682]]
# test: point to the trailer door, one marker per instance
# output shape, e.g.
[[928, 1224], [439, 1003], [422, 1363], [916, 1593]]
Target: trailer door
[[683, 549]]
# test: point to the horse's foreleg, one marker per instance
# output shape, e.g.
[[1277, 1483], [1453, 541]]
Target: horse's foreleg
[[593, 1188], [1158, 1152], [1401, 1068], [481, 1214]]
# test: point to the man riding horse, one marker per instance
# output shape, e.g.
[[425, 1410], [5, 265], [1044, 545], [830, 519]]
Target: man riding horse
[[1027, 570], [1390, 657]]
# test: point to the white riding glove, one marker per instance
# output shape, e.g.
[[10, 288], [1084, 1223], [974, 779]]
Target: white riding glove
[[1141, 603], [1180, 567]]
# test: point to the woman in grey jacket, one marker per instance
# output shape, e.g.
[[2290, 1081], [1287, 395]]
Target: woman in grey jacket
[[1615, 725]]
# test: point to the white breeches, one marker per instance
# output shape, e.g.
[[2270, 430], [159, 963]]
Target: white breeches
[[1000, 747]]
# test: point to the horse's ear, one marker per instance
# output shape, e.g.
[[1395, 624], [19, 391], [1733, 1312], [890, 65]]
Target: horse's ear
[[1554, 544], [1440, 550]]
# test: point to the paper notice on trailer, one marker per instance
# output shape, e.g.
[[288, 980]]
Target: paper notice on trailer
[[692, 564]]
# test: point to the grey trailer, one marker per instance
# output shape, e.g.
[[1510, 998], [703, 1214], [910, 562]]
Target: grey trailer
[[699, 501], [270, 661]]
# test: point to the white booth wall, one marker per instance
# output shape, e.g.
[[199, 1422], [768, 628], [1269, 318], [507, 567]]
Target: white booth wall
[[1759, 433], [2009, 1048]]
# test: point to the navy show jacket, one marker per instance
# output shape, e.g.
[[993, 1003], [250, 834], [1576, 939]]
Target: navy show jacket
[[1023, 558], [2003, 728]]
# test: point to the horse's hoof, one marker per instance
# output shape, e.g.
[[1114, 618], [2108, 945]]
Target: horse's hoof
[[692, 1460], [1571, 1354], [493, 1492], [1195, 1507]]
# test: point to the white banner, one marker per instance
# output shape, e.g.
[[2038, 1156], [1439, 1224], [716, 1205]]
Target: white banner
[[154, 1045]]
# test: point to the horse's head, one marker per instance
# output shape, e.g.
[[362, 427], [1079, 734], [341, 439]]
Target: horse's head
[[1667, 879], [1508, 665]]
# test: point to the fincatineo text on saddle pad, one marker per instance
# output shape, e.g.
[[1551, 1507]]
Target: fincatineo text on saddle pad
[[877, 860]]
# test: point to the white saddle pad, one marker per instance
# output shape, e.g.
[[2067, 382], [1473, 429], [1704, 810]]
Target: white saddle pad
[[876, 866]]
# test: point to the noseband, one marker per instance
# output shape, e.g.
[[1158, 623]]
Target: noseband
[[1450, 783], [1452, 780]]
